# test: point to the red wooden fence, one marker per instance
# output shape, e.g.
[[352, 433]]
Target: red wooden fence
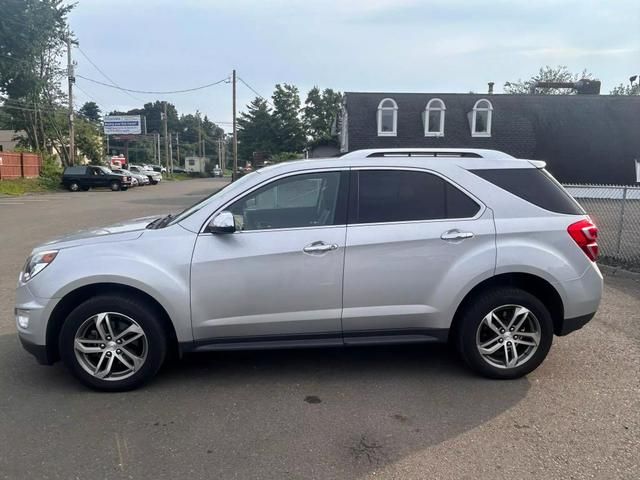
[[19, 165]]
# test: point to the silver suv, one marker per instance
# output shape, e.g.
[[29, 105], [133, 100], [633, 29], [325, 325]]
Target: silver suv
[[474, 247]]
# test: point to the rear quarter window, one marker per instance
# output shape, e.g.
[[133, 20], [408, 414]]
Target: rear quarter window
[[75, 170], [535, 185]]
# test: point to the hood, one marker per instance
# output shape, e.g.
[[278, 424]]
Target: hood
[[118, 232]]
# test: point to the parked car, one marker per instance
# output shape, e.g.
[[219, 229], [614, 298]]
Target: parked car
[[154, 177], [179, 170], [157, 168], [85, 177], [138, 177], [473, 247], [216, 172]]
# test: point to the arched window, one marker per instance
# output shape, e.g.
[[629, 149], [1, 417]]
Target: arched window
[[481, 119], [434, 118], [387, 118]]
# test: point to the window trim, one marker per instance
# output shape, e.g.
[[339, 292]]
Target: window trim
[[353, 191], [442, 110], [476, 110], [394, 109], [270, 180]]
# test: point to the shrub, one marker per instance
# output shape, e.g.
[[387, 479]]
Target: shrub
[[50, 172]]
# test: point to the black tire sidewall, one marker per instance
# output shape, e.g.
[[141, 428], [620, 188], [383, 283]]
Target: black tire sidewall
[[115, 186], [139, 311], [71, 184], [485, 303]]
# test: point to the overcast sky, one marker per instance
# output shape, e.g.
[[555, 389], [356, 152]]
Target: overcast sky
[[348, 45]]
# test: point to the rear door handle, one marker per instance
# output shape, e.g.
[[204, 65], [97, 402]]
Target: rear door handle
[[456, 234], [319, 247]]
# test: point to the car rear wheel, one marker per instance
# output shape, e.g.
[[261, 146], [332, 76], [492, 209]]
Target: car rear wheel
[[505, 333], [74, 186], [115, 186], [113, 343]]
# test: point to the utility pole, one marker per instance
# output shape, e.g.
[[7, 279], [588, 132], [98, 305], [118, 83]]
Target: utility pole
[[235, 132], [170, 166], [178, 147], [166, 137], [158, 148], [71, 78], [199, 135]]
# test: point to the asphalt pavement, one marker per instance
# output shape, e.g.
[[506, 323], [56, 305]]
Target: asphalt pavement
[[404, 412]]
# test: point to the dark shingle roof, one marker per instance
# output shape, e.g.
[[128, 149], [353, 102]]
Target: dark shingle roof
[[583, 138]]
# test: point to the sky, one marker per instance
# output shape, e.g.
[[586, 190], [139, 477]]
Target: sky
[[348, 45]]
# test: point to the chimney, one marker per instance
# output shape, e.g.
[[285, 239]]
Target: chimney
[[491, 87]]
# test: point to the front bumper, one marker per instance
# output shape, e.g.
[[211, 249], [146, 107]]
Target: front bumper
[[572, 324], [34, 336], [41, 352]]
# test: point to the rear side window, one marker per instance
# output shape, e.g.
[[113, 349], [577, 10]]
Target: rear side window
[[397, 196], [75, 170], [535, 185]]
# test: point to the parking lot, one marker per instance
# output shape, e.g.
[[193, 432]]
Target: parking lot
[[405, 412]]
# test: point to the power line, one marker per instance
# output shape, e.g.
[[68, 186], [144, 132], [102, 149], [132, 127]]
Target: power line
[[105, 75], [154, 92], [254, 91]]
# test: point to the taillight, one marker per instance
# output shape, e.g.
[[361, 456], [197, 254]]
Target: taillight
[[585, 234]]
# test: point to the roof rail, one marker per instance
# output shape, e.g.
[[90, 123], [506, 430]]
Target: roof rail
[[424, 154], [427, 152]]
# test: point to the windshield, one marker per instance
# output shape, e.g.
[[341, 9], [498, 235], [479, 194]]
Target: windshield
[[211, 198], [105, 170]]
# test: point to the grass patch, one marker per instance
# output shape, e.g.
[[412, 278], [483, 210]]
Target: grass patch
[[177, 177], [20, 186]]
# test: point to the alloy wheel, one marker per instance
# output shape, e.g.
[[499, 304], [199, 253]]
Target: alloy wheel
[[110, 346], [508, 336]]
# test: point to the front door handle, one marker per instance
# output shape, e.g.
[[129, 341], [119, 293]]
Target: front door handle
[[319, 247], [456, 234]]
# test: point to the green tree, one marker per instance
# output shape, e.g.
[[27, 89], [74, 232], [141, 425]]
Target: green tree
[[547, 74], [256, 130], [91, 112], [89, 140], [320, 111], [32, 41], [290, 134], [632, 89]]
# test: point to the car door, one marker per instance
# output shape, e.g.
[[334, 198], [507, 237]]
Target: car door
[[413, 240], [278, 278]]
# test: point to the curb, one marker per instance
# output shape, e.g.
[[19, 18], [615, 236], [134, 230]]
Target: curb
[[618, 272]]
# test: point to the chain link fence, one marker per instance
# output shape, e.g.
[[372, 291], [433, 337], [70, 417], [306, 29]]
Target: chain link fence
[[616, 211]]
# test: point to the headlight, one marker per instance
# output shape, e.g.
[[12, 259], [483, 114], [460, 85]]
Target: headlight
[[36, 263]]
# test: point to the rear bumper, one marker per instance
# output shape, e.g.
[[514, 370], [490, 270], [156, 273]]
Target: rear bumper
[[572, 324]]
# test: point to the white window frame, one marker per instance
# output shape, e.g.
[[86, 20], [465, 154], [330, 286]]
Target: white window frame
[[442, 109], [477, 109], [394, 132]]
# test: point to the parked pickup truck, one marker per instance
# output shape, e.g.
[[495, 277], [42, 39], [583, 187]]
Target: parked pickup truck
[[86, 177]]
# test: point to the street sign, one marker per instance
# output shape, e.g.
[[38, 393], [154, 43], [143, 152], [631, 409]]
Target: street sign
[[122, 124]]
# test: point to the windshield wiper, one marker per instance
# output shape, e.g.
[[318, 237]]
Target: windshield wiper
[[160, 222]]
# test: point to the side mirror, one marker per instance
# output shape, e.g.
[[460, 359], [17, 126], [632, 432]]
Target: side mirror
[[224, 222]]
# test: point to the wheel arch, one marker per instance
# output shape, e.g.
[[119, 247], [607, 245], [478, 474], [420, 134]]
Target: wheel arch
[[74, 298], [531, 283]]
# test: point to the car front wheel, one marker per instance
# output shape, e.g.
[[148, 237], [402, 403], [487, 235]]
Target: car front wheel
[[505, 333], [115, 186], [113, 343]]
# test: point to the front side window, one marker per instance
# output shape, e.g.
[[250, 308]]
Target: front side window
[[481, 119], [403, 195], [307, 200], [387, 118], [434, 118]]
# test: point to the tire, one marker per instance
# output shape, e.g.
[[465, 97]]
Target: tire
[[476, 330], [74, 186], [148, 350], [115, 186], [154, 182]]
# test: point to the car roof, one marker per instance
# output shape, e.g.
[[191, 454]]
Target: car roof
[[432, 158]]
